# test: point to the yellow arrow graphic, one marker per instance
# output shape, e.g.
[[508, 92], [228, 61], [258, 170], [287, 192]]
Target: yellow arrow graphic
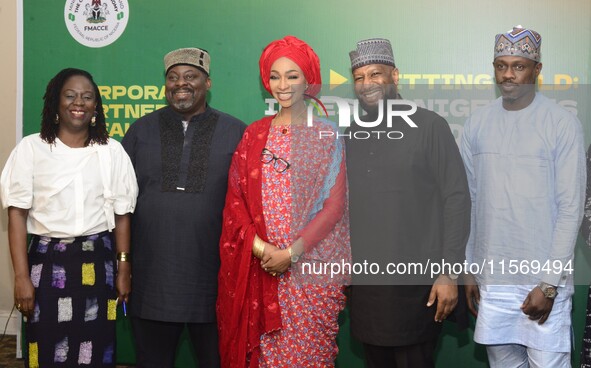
[[336, 79]]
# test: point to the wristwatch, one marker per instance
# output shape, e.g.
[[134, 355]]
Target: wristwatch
[[452, 276], [548, 290], [294, 257]]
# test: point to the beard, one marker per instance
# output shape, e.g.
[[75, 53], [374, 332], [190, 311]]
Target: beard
[[513, 91], [389, 92], [182, 104]]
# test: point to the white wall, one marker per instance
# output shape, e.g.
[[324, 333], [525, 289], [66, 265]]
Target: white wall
[[8, 133]]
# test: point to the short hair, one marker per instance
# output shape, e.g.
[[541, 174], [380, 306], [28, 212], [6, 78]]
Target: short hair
[[96, 134]]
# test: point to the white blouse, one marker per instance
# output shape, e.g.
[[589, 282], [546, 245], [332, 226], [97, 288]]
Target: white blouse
[[69, 191]]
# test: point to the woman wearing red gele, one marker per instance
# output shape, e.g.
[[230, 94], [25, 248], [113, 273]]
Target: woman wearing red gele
[[286, 212]]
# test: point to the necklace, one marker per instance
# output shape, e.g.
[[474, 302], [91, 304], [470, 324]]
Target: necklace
[[279, 115]]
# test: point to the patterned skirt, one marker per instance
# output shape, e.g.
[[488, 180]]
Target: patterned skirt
[[73, 323], [309, 315]]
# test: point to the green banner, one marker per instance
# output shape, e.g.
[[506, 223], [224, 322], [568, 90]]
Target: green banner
[[435, 42], [122, 43]]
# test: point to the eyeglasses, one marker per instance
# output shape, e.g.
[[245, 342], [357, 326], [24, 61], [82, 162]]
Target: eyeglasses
[[279, 164]]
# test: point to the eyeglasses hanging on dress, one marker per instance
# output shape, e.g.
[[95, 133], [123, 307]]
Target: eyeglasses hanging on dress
[[279, 164]]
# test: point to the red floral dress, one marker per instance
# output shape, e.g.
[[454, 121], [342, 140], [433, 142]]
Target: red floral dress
[[309, 313], [290, 320]]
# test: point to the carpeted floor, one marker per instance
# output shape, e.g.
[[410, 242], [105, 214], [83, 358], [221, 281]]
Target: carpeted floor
[[7, 353]]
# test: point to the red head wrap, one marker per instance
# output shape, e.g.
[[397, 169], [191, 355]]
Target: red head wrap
[[300, 53]]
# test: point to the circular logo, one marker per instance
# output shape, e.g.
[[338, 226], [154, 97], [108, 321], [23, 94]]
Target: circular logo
[[96, 23]]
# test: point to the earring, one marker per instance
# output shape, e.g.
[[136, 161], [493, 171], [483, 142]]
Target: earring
[[57, 119], [93, 119]]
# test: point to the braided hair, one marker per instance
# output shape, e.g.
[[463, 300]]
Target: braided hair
[[96, 134]]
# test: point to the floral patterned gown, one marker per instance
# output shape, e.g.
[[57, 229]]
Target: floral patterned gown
[[309, 313]]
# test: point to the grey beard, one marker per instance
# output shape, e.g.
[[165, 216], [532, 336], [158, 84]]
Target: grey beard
[[183, 105]]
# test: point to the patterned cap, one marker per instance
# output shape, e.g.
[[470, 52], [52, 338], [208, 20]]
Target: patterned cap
[[189, 56], [372, 51], [519, 41]]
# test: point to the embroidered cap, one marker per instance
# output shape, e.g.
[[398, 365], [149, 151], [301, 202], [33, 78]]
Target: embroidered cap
[[189, 56], [372, 51], [519, 41]]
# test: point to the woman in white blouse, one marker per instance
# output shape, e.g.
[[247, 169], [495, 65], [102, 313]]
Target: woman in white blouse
[[72, 188]]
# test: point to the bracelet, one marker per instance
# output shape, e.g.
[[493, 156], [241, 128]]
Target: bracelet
[[123, 257], [258, 247]]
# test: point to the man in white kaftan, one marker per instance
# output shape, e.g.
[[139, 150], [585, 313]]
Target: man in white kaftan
[[525, 162]]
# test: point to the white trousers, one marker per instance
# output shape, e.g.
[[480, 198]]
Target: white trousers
[[519, 356]]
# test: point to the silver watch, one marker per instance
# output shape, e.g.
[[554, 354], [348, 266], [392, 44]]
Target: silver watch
[[549, 291], [293, 256]]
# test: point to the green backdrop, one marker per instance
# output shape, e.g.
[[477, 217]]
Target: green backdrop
[[434, 41]]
